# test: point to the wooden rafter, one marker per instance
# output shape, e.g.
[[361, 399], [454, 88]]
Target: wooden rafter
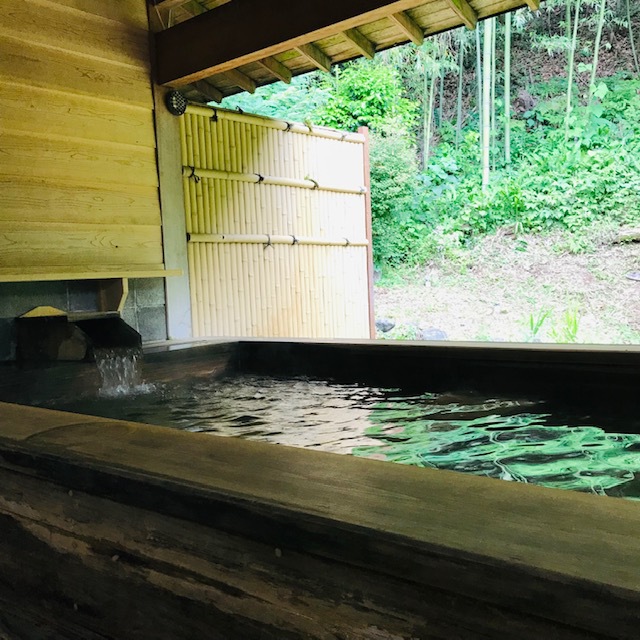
[[361, 43], [172, 4], [208, 90], [252, 30], [241, 80], [319, 58], [408, 26], [534, 5], [465, 12], [276, 68], [168, 4]]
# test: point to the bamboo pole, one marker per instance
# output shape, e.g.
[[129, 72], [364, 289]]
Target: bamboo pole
[[267, 240], [218, 294], [198, 205], [205, 150], [196, 290], [183, 141], [275, 123], [249, 311], [191, 187], [195, 313], [486, 103], [273, 180], [209, 288]]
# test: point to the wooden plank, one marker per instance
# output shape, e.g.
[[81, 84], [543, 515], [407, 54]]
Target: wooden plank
[[278, 69], [27, 244], [193, 580], [488, 8], [128, 12], [167, 4], [364, 46], [45, 24], [85, 272], [85, 162], [241, 80], [46, 201], [316, 56], [33, 109], [407, 25], [30, 65], [252, 30], [465, 12]]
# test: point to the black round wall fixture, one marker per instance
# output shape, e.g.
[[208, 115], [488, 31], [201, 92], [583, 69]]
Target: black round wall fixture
[[176, 103]]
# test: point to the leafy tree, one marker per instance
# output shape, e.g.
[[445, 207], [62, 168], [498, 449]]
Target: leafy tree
[[364, 93]]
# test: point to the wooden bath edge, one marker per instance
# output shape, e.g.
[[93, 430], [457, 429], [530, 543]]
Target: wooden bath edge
[[268, 541]]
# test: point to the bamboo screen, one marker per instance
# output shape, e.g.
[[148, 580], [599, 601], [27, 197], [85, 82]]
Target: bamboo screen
[[277, 227]]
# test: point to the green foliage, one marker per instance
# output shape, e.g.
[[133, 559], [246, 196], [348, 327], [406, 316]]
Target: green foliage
[[561, 330], [367, 94], [550, 185], [297, 101], [536, 320], [566, 331], [553, 182], [400, 226]]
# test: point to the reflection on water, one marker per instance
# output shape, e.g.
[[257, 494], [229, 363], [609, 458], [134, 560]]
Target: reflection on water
[[507, 439]]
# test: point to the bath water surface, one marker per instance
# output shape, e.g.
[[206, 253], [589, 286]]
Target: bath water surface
[[518, 440]]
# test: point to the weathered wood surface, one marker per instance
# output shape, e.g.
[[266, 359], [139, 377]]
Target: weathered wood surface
[[118, 530]]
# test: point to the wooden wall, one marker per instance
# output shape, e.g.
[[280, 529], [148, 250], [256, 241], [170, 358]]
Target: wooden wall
[[78, 176]]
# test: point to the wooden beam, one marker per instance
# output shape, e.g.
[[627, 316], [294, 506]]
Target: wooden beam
[[276, 68], [239, 33], [316, 56], [167, 4], [409, 27], [208, 90], [171, 4], [362, 44], [534, 5], [241, 80], [465, 12]]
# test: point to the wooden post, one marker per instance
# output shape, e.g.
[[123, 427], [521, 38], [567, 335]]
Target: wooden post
[[173, 219], [367, 198]]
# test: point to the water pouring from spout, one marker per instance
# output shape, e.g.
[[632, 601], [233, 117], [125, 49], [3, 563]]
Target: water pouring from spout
[[121, 372]]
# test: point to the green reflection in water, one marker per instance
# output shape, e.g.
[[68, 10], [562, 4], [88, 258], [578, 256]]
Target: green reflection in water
[[519, 446]]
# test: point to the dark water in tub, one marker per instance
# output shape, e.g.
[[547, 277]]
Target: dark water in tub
[[514, 440]]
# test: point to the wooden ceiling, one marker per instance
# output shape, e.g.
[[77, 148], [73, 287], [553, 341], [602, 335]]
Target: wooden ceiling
[[211, 49]]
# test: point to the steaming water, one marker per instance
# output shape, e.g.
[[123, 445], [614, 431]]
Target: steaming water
[[515, 440]]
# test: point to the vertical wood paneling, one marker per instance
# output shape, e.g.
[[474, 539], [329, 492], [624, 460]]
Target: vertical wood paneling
[[298, 290]]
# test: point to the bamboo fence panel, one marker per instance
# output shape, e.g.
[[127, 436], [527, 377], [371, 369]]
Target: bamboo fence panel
[[276, 227]]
